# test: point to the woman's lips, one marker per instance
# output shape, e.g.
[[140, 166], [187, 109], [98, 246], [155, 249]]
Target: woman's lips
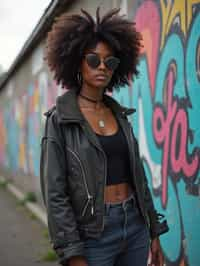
[[101, 77]]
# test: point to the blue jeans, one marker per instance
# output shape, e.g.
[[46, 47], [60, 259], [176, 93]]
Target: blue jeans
[[125, 239]]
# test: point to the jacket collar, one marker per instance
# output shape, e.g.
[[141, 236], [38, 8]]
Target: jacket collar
[[69, 111]]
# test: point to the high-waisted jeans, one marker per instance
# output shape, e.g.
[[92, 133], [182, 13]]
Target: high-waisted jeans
[[125, 239]]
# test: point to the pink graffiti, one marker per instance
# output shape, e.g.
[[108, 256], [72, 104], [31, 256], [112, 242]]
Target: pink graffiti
[[148, 23], [170, 129]]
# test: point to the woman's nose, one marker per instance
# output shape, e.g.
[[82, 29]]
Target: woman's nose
[[102, 65]]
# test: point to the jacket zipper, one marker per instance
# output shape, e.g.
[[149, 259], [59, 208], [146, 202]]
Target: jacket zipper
[[105, 177], [89, 196]]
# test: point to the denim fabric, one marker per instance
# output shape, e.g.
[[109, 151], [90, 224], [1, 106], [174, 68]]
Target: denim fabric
[[125, 239]]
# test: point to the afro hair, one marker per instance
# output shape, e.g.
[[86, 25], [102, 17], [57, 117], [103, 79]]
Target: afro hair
[[71, 35]]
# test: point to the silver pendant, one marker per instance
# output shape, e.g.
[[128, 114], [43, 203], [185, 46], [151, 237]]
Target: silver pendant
[[101, 123]]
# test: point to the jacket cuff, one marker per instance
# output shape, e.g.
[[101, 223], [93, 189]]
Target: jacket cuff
[[73, 249], [157, 227]]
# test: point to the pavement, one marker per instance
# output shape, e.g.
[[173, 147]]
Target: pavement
[[23, 238]]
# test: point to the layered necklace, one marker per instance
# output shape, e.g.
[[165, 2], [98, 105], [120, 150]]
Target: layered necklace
[[101, 122]]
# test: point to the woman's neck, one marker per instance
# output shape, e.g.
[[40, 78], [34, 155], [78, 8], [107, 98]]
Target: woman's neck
[[92, 93]]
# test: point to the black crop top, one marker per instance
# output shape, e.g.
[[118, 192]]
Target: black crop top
[[116, 149]]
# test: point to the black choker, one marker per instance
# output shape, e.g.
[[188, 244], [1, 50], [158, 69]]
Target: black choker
[[89, 99]]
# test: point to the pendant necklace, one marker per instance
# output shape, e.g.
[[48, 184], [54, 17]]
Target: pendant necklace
[[101, 122]]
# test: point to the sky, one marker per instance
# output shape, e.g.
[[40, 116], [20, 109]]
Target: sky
[[17, 20]]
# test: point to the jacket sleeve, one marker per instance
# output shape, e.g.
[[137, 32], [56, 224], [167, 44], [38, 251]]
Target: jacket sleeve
[[156, 226], [62, 225]]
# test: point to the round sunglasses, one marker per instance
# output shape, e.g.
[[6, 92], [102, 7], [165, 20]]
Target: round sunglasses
[[94, 60]]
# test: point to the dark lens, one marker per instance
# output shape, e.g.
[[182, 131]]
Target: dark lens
[[112, 62], [93, 60]]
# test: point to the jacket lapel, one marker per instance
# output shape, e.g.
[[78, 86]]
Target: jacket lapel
[[68, 111]]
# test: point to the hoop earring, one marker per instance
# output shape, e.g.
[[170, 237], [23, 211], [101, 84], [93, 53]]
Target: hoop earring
[[79, 78]]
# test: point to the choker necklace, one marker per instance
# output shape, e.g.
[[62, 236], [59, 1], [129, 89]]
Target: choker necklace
[[101, 122], [89, 99]]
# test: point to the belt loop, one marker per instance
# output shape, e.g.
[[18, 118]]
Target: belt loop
[[107, 208], [124, 204], [133, 200]]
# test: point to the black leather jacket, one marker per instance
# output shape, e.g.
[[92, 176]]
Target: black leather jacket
[[73, 177]]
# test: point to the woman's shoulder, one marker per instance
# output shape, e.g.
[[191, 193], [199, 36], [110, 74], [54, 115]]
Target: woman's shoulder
[[50, 111], [117, 107], [52, 121]]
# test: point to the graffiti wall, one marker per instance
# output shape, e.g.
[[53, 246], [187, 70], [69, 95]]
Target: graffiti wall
[[22, 120], [167, 98]]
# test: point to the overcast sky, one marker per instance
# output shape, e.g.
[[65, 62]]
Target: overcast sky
[[17, 20]]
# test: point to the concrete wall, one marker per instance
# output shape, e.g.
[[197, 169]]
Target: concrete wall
[[167, 98]]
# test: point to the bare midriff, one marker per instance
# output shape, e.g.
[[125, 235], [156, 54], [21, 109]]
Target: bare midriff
[[117, 193]]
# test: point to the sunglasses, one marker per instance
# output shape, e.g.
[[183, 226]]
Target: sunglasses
[[93, 61]]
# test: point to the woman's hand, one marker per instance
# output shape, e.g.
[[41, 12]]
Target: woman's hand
[[157, 258], [77, 261]]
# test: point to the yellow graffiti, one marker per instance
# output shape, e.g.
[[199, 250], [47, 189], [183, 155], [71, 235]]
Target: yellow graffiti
[[22, 155], [177, 9], [36, 98], [3, 137]]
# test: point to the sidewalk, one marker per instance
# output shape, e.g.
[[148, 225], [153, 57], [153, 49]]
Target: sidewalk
[[23, 240]]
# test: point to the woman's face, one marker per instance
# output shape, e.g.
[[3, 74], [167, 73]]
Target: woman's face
[[96, 76]]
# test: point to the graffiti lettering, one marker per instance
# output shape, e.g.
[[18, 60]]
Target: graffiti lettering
[[173, 9], [170, 128]]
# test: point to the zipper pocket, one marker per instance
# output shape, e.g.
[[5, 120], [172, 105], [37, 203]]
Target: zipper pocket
[[90, 199], [89, 196]]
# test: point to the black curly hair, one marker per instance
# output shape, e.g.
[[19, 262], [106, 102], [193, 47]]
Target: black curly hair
[[71, 35]]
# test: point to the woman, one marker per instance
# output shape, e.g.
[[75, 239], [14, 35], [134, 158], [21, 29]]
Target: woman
[[100, 211]]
